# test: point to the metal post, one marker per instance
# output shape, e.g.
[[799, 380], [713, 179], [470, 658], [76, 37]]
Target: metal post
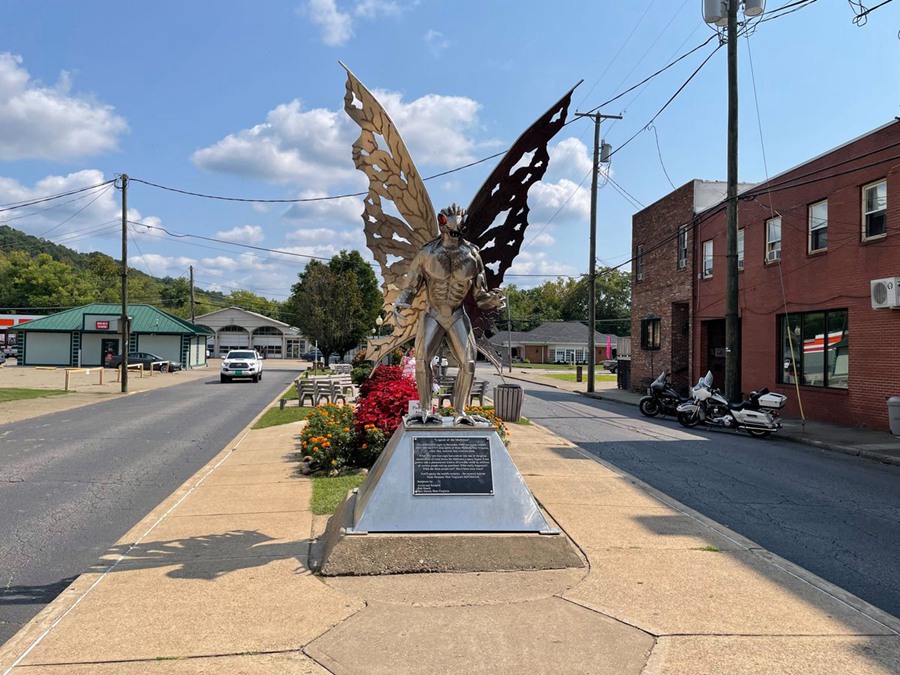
[[508, 336], [592, 269]]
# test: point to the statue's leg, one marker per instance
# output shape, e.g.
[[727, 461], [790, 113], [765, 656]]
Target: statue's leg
[[428, 341], [462, 344]]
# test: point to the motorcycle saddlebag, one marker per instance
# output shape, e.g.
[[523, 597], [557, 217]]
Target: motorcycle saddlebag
[[771, 400]]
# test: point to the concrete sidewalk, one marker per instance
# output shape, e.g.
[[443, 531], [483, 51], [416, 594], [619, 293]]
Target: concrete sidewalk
[[880, 446], [216, 580]]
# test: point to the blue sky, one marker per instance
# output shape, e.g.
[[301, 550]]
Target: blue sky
[[244, 100]]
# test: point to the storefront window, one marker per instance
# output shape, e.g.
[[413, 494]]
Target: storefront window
[[814, 349]]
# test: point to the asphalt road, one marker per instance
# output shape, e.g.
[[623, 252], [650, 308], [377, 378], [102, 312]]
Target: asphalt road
[[835, 515], [73, 483]]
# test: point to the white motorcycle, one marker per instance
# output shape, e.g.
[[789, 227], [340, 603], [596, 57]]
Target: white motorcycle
[[758, 415]]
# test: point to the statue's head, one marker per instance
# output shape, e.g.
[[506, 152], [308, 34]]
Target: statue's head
[[452, 221]]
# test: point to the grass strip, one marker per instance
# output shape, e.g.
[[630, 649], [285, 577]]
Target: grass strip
[[19, 394], [572, 377], [275, 416], [329, 491]]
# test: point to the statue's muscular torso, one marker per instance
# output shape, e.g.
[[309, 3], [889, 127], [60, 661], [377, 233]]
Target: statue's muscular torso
[[448, 272]]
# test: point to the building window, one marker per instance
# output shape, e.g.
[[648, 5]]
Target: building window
[[682, 247], [818, 227], [650, 332], [740, 249], [639, 263], [814, 348], [875, 210], [707, 259], [773, 239]]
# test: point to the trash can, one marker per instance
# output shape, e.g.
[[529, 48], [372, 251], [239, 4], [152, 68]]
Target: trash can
[[508, 400], [578, 374], [893, 404]]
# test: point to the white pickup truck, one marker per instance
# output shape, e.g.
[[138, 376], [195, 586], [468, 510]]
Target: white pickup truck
[[241, 363]]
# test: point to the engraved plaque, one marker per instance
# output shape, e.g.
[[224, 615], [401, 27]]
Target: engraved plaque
[[452, 466]]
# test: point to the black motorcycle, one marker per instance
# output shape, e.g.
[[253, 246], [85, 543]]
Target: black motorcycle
[[661, 398]]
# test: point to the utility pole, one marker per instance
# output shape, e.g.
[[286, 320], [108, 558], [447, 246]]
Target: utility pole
[[592, 269], [124, 319], [723, 13], [192, 293], [732, 334]]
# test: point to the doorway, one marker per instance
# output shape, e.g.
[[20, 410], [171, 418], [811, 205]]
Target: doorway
[[109, 347]]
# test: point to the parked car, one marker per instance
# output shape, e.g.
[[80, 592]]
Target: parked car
[[611, 365], [147, 360], [241, 363], [8, 351], [316, 355]]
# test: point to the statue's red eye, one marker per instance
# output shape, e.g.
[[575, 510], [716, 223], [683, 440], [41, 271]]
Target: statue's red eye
[[442, 219]]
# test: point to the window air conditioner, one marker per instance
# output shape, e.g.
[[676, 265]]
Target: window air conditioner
[[885, 292], [773, 255]]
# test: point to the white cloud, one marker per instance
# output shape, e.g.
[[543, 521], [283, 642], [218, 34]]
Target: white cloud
[[311, 148], [161, 265], [564, 201], [76, 221], [336, 26], [436, 42], [435, 128], [50, 123], [533, 262], [246, 234], [372, 9]]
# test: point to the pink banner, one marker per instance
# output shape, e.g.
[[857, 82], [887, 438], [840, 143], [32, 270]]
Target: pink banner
[[608, 347]]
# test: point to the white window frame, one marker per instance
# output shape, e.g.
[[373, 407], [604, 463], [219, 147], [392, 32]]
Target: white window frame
[[740, 249], [682, 244], [707, 258], [818, 226], [867, 214], [773, 242], [639, 263]]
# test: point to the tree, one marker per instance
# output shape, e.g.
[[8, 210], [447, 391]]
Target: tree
[[613, 295], [336, 304], [41, 281]]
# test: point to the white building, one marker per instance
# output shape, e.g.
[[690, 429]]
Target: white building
[[236, 328]]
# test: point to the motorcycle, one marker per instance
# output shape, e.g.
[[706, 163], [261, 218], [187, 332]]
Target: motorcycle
[[758, 415], [661, 398]]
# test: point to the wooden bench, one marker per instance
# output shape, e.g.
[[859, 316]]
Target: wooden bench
[[341, 368]]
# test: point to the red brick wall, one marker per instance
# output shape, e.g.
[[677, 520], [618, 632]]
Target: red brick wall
[[836, 279], [663, 284]]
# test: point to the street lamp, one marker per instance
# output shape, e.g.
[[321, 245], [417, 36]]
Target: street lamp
[[724, 13]]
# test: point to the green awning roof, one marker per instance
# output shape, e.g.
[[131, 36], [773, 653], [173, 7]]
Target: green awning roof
[[144, 319]]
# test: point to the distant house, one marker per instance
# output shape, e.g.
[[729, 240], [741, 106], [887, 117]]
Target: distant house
[[236, 328], [555, 342], [83, 336]]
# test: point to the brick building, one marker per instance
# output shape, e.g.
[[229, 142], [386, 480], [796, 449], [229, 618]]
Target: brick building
[[813, 243], [663, 241]]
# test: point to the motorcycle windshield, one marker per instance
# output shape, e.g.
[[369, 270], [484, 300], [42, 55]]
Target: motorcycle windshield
[[707, 379]]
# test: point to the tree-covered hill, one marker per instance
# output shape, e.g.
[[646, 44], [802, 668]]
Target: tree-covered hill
[[38, 276]]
